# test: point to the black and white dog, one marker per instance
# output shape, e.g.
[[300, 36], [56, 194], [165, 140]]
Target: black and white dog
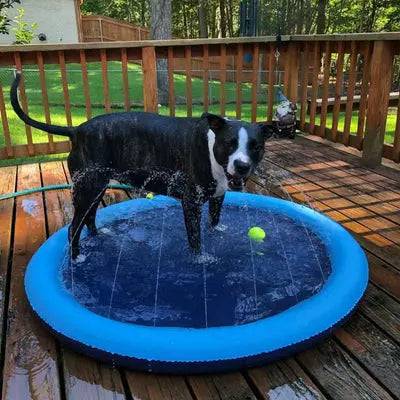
[[193, 159]]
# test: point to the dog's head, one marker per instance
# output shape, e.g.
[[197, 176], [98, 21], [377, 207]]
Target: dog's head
[[237, 146]]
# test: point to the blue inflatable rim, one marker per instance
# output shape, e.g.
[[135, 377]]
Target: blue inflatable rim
[[307, 320]]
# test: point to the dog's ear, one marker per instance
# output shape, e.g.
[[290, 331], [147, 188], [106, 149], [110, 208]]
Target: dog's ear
[[215, 122], [268, 129]]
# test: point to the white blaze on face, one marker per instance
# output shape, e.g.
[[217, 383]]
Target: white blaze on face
[[240, 153], [217, 170]]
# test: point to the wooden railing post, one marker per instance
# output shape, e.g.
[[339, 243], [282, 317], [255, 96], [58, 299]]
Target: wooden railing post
[[150, 101], [378, 101]]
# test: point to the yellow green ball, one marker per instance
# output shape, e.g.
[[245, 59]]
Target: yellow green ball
[[256, 233], [150, 196]]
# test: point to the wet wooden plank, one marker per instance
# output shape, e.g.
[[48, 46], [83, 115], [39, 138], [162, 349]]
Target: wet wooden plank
[[104, 77], [383, 310], [205, 76], [325, 88], [24, 102], [30, 368], [254, 82], [145, 386], [350, 93], [314, 88], [222, 78], [125, 80], [85, 83], [8, 176], [239, 77], [90, 380], [284, 380], [171, 83], [373, 349], [231, 386], [188, 73], [338, 91], [83, 376], [45, 98], [339, 374], [64, 82]]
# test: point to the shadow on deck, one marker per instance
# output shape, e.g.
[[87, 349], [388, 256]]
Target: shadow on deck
[[360, 361]]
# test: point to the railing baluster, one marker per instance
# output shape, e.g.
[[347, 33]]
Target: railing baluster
[[205, 76], [303, 86], [239, 74], [222, 78], [293, 69], [45, 98], [125, 80], [171, 83], [338, 92], [4, 122], [350, 94], [325, 89], [64, 82], [271, 81], [396, 143], [378, 102], [24, 103], [316, 67], [254, 82], [188, 71], [85, 82], [150, 95], [364, 95], [104, 74]]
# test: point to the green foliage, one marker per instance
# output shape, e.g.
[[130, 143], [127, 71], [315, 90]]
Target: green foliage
[[4, 20], [24, 32], [285, 16]]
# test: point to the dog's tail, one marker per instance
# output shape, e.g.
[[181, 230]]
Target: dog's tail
[[54, 129]]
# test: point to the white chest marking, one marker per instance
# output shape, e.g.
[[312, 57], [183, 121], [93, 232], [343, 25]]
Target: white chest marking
[[217, 170], [241, 151]]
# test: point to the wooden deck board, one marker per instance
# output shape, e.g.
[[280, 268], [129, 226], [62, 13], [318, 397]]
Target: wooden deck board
[[360, 361]]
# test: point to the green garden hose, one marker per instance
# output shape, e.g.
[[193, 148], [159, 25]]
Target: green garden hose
[[55, 187]]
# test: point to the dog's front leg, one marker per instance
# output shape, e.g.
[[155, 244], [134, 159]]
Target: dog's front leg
[[192, 213], [214, 210]]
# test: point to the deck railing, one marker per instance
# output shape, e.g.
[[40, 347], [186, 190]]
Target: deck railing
[[343, 84]]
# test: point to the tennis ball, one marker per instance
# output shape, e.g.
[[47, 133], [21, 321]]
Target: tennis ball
[[150, 196], [256, 233]]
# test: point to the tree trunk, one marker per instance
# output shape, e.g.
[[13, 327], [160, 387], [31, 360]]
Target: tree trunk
[[203, 28], [143, 12], [160, 28], [321, 16], [222, 18]]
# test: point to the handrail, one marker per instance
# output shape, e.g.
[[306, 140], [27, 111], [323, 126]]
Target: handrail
[[392, 36]]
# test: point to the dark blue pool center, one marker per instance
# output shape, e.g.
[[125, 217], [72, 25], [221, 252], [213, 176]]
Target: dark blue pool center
[[138, 297]]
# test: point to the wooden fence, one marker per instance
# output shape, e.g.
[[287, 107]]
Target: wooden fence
[[99, 28], [316, 69]]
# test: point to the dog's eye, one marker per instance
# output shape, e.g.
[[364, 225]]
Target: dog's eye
[[256, 146]]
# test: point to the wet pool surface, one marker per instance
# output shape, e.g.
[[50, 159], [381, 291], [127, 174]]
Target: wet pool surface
[[139, 269]]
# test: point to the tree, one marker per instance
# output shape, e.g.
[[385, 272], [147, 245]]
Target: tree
[[321, 16], [160, 28], [4, 20], [203, 27]]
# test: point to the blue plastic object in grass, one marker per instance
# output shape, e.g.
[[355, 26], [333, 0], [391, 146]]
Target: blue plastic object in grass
[[139, 298]]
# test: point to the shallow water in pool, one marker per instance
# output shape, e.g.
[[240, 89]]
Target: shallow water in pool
[[139, 269]]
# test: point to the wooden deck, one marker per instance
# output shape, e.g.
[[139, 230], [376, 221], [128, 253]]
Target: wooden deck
[[360, 361]]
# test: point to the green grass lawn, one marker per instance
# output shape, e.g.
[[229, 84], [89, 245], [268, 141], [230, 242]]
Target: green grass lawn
[[75, 87]]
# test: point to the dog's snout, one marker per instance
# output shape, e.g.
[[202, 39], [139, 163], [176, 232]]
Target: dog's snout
[[241, 167]]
